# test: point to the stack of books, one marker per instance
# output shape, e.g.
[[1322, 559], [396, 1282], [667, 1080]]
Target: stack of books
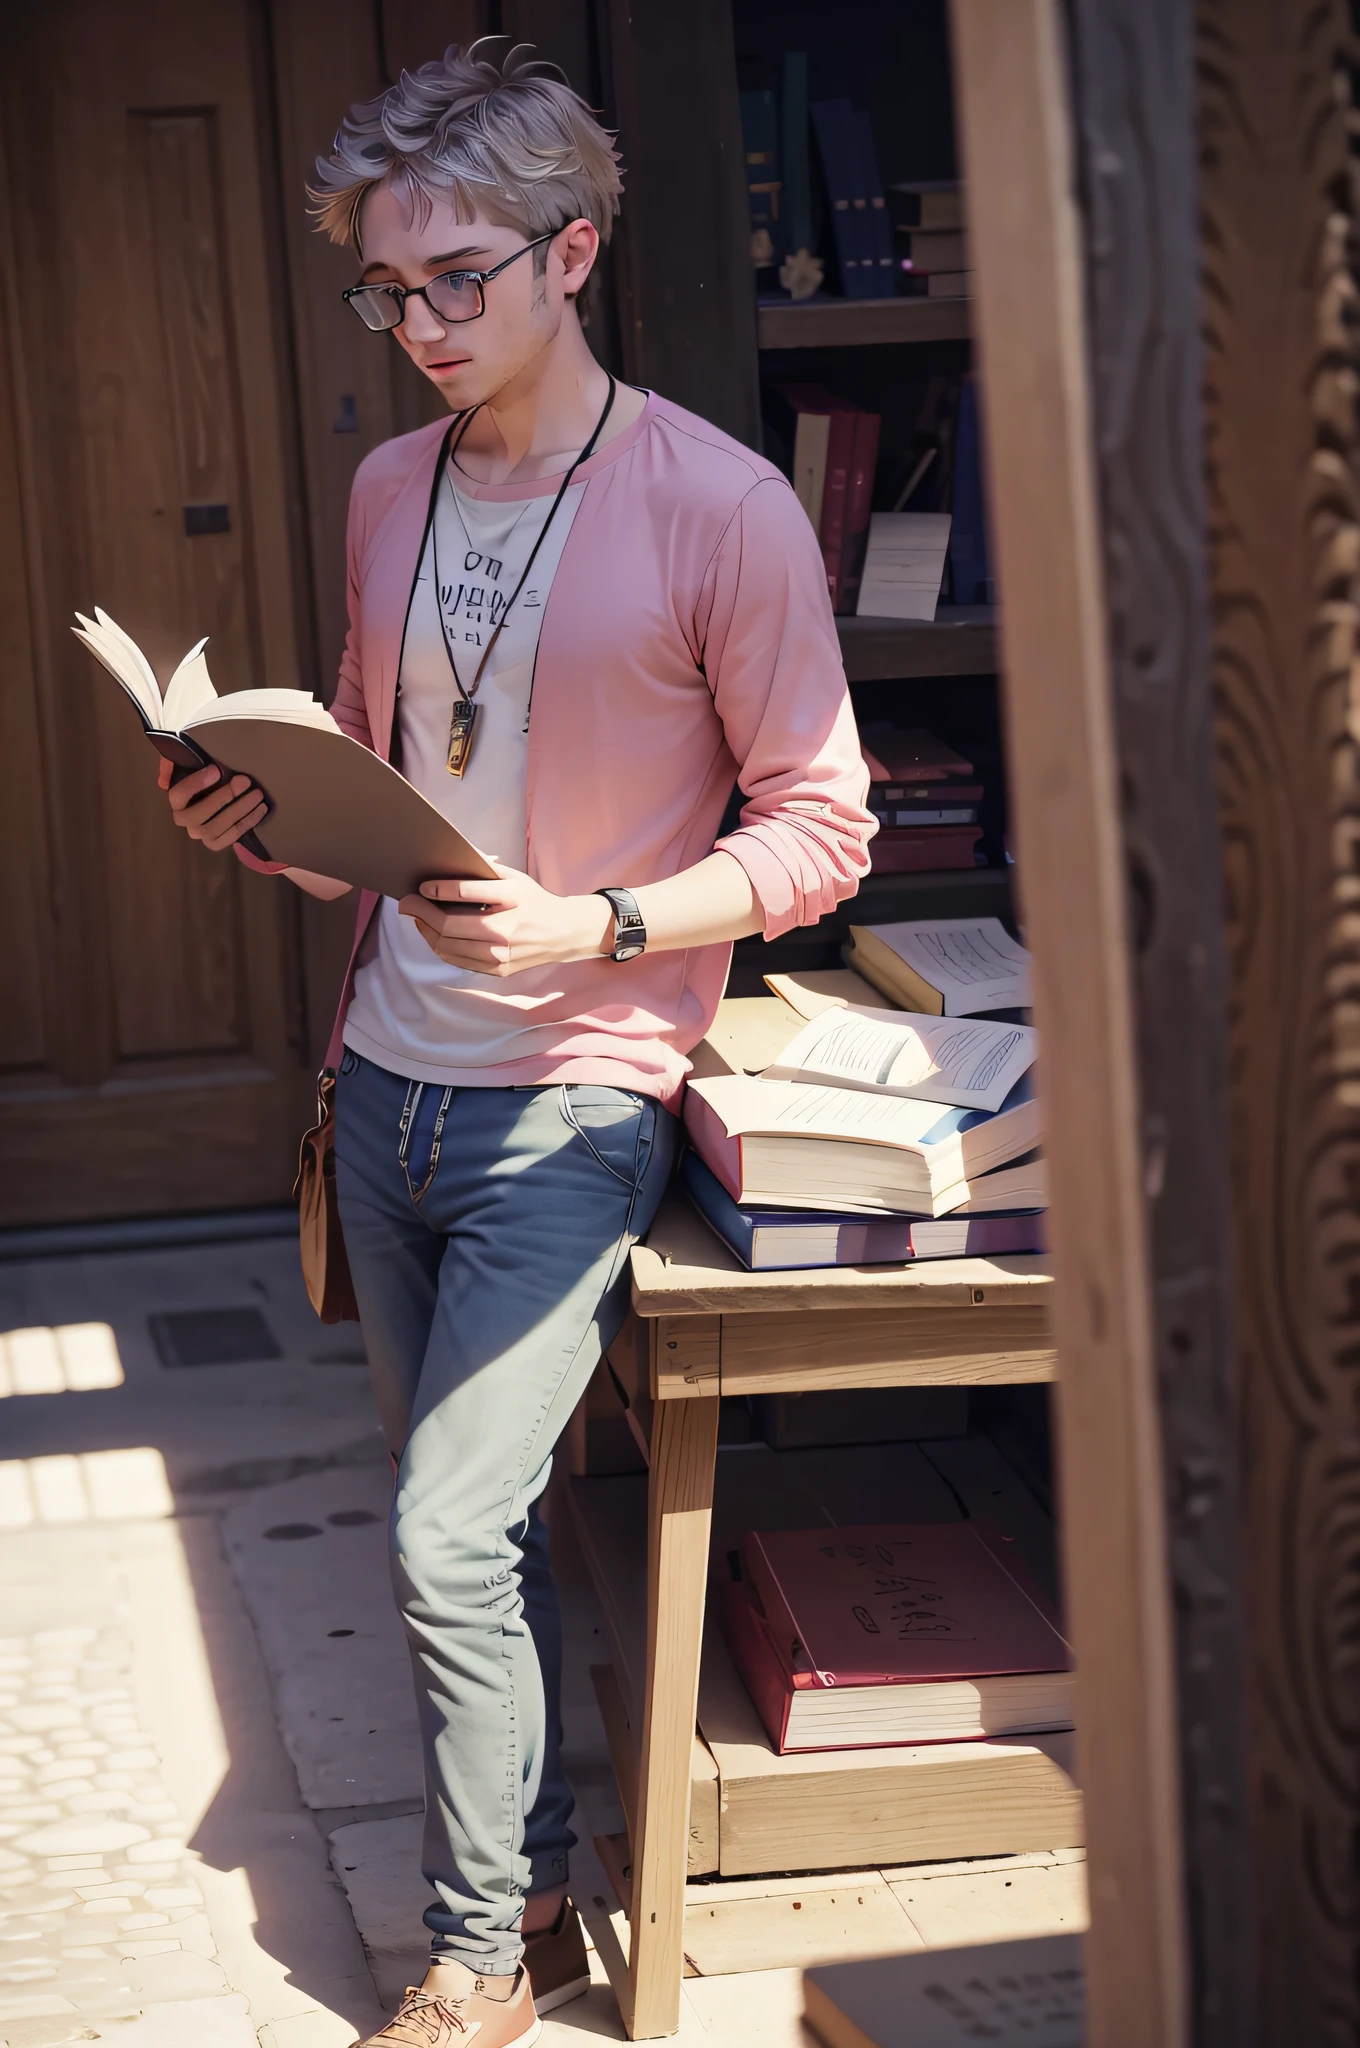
[[827, 1129], [931, 255], [925, 799]]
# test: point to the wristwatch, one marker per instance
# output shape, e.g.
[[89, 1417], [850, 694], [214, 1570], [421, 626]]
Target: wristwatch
[[630, 933]]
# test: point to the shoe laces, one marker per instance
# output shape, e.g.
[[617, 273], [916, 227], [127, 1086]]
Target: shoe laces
[[421, 2017]]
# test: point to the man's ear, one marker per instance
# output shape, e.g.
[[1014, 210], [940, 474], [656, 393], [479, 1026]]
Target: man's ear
[[578, 246]]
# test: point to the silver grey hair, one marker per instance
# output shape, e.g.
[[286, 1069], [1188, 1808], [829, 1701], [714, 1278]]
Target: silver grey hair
[[490, 129]]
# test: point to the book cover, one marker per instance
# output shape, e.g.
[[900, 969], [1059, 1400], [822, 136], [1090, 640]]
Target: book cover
[[832, 124], [878, 233], [928, 849], [760, 142], [840, 453], [937, 204], [859, 506], [930, 250], [896, 1604], [956, 966], [910, 754], [781, 1240]]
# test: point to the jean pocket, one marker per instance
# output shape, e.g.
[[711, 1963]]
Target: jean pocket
[[613, 1123]]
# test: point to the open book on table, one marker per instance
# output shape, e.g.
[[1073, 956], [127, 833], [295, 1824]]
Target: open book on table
[[335, 807]]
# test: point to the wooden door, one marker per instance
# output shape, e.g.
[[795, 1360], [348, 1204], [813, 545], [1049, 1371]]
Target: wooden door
[[153, 1031]]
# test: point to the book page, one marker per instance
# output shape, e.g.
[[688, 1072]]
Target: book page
[[125, 662], [973, 962], [189, 689], [904, 564], [797, 1109], [295, 707], [963, 1061]]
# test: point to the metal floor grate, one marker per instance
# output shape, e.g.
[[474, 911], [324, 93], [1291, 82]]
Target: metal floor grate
[[212, 1336]]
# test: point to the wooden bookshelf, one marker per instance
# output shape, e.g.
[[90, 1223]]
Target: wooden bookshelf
[[861, 323], [960, 641]]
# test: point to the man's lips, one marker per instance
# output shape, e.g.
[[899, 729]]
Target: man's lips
[[448, 363]]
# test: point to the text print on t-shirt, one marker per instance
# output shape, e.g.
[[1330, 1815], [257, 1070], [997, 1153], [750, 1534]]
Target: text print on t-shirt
[[473, 608]]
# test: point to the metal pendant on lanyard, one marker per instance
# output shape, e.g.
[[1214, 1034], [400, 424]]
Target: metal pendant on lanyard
[[463, 722]]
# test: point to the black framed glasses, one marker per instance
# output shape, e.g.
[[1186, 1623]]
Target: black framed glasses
[[454, 295]]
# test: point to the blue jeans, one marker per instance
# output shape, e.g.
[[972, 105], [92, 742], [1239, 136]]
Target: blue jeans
[[488, 1232]]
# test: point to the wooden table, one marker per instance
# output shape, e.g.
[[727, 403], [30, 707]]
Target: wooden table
[[703, 1327]]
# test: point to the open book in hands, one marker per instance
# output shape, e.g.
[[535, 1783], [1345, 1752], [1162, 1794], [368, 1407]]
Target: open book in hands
[[335, 808]]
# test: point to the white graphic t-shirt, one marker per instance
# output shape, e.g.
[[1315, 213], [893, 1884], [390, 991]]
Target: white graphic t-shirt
[[411, 1013]]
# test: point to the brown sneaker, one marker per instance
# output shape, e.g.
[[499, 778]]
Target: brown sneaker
[[557, 1962], [430, 2020]]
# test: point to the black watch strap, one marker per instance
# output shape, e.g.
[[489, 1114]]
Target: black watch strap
[[630, 933]]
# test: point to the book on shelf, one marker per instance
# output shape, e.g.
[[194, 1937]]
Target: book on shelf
[[900, 850], [956, 804], [965, 1062], [834, 458], [949, 284], [838, 145], [791, 1145], [335, 807], [944, 966], [1033, 1990], [900, 755], [760, 144], [937, 204], [904, 565], [931, 249], [928, 1632], [783, 1240], [879, 232]]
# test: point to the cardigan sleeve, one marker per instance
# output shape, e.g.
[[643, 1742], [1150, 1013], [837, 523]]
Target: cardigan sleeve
[[773, 663]]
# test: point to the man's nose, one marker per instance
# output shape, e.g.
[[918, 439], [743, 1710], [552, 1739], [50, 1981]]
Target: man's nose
[[420, 323]]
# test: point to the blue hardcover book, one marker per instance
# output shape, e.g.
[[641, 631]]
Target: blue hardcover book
[[969, 556], [796, 197], [780, 1240], [879, 233], [834, 123]]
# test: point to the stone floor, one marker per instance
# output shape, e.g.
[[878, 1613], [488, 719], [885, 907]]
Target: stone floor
[[209, 1776]]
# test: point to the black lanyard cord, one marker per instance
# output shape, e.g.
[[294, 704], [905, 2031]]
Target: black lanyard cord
[[447, 455]]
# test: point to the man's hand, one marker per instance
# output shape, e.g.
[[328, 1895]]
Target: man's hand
[[213, 811], [510, 925]]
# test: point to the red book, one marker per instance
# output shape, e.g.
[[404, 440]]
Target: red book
[[922, 849], [840, 455], [862, 1638], [859, 504]]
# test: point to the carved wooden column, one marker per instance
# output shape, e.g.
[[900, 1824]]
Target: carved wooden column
[[1280, 322]]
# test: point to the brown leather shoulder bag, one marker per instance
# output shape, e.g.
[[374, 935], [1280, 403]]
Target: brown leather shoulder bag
[[325, 1263]]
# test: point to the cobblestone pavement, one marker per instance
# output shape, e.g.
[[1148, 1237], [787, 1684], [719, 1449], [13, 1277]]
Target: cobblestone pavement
[[98, 1891]]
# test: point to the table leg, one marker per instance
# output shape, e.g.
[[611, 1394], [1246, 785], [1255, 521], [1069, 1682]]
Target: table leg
[[683, 1455]]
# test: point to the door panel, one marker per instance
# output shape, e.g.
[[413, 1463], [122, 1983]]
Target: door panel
[[151, 1051]]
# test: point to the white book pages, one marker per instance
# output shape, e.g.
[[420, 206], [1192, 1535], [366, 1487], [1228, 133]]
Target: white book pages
[[904, 565], [190, 689], [973, 962], [124, 660], [964, 1061], [748, 1105], [294, 707]]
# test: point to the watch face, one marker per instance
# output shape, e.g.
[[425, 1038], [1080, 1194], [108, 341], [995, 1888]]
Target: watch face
[[627, 952]]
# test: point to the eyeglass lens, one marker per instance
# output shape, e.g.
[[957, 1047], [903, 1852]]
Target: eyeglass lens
[[454, 296]]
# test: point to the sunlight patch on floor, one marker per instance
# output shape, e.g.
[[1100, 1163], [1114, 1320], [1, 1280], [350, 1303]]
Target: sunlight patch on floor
[[93, 1486], [72, 1358]]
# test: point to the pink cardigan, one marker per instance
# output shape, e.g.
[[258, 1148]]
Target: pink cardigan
[[687, 642]]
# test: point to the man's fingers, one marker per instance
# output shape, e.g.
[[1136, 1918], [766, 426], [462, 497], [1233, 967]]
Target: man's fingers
[[192, 786], [452, 893], [227, 826]]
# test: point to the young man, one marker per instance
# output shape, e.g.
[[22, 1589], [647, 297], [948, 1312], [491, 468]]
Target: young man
[[577, 615]]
